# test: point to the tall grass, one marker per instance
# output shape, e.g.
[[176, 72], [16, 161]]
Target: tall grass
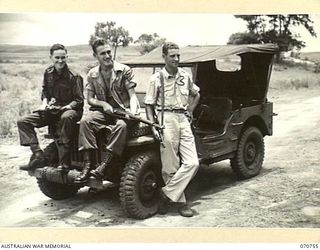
[[286, 77]]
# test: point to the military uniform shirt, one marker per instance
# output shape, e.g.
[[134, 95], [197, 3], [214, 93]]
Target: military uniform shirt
[[121, 80], [66, 88], [177, 90]]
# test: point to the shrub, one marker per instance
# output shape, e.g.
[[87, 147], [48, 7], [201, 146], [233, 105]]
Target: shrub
[[317, 67], [6, 128], [299, 83]]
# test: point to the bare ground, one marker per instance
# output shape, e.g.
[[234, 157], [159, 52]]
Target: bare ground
[[285, 195]]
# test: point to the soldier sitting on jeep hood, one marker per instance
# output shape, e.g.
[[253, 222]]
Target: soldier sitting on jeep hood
[[110, 85], [62, 103]]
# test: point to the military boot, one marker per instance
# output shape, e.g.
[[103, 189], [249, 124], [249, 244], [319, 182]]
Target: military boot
[[83, 177], [37, 160], [98, 173], [64, 157]]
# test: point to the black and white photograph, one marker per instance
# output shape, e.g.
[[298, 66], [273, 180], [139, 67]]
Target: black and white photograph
[[159, 120]]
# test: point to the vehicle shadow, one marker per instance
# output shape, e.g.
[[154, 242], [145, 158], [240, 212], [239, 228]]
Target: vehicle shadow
[[215, 178]]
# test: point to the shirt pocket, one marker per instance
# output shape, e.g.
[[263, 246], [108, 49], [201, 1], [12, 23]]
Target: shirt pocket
[[169, 90], [65, 92], [184, 94]]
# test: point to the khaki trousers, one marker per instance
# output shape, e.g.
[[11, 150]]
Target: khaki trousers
[[179, 156]]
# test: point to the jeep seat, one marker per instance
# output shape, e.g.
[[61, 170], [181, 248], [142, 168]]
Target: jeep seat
[[213, 114]]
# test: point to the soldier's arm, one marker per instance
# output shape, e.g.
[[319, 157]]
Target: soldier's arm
[[77, 92], [134, 102], [92, 101], [195, 96], [130, 85], [194, 102], [150, 113]]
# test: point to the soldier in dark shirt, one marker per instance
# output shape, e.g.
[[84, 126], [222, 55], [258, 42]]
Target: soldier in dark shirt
[[64, 88]]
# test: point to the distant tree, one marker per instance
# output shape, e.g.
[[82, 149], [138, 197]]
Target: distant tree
[[281, 33], [148, 42], [255, 23], [243, 38], [116, 36], [278, 29]]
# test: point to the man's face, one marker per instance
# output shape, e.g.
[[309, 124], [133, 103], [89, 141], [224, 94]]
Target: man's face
[[59, 59], [172, 59], [103, 54]]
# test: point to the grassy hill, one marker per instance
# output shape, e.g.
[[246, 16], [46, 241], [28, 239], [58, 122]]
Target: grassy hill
[[84, 49], [311, 56]]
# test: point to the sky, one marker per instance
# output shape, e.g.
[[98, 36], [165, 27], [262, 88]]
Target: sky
[[76, 28]]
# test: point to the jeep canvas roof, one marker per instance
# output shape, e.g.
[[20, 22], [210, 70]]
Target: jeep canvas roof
[[195, 54]]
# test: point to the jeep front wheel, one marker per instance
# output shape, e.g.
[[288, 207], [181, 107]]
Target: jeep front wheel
[[57, 191], [140, 184], [250, 154]]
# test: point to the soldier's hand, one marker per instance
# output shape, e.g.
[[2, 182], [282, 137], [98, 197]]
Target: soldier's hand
[[107, 108], [156, 134], [42, 107], [189, 115]]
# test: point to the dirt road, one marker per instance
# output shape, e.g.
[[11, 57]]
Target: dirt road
[[285, 194]]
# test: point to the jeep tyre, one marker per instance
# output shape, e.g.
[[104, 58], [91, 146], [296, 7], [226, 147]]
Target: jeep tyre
[[140, 184], [57, 191], [250, 154]]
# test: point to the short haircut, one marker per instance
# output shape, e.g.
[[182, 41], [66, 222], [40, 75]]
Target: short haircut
[[57, 46], [168, 45], [98, 42]]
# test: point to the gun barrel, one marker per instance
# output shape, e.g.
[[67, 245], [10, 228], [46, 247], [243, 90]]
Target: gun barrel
[[127, 115]]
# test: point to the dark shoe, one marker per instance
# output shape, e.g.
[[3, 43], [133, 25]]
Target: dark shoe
[[98, 173], [83, 177], [163, 204], [37, 160], [185, 210]]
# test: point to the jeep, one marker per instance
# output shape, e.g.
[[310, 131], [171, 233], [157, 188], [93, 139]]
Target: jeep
[[230, 122]]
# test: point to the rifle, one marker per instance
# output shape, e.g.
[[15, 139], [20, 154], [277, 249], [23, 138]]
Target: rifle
[[50, 108], [122, 114]]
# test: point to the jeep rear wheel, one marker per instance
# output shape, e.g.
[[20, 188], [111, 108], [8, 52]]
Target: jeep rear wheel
[[249, 155], [140, 184], [57, 191]]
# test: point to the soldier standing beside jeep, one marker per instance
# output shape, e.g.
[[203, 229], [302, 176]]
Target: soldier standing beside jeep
[[169, 90], [110, 85], [64, 88]]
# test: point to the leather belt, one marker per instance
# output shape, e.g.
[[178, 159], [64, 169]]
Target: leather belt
[[178, 111]]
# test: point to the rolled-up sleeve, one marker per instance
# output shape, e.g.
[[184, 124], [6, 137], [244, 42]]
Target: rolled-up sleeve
[[77, 92], [193, 88], [129, 78], [89, 84], [152, 92]]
